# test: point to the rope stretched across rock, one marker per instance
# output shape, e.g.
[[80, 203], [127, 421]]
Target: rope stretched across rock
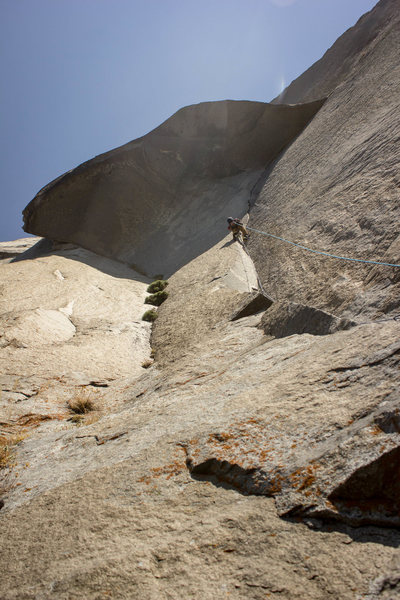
[[276, 237], [394, 318]]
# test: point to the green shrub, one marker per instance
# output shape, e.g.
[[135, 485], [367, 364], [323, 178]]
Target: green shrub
[[157, 286], [157, 298], [150, 315]]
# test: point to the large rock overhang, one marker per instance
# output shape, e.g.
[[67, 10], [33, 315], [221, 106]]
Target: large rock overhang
[[163, 199]]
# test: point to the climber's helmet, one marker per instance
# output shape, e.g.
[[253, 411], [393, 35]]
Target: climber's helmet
[[229, 219]]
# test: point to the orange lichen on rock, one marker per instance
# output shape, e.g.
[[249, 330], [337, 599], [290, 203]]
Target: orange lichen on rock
[[169, 470], [307, 482], [375, 430], [275, 485], [304, 477], [220, 437], [30, 419], [263, 454]]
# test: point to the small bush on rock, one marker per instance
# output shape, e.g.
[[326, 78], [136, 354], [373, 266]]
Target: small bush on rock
[[5, 454], [157, 286], [81, 403], [150, 315], [6, 449], [157, 298]]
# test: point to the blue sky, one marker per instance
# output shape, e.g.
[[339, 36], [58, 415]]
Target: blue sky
[[79, 77]]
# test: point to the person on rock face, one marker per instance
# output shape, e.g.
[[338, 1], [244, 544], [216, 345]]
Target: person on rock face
[[237, 228]]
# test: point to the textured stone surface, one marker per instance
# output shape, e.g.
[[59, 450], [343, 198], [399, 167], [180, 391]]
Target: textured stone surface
[[68, 318], [254, 303], [346, 55], [128, 513], [287, 318], [336, 188], [36, 327], [159, 201], [8, 250], [240, 464]]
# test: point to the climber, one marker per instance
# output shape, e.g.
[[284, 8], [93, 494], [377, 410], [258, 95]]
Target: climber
[[237, 228]]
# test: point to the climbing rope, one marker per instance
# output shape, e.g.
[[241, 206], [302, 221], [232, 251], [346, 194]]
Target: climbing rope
[[276, 237], [261, 288]]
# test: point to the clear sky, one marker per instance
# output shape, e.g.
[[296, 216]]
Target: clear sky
[[80, 77]]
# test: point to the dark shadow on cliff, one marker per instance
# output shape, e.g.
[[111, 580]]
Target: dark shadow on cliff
[[227, 244], [106, 265], [365, 534]]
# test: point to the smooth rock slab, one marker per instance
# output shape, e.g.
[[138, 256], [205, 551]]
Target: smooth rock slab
[[36, 328], [68, 318]]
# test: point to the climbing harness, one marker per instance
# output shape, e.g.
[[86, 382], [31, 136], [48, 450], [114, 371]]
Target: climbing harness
[[276, 237]]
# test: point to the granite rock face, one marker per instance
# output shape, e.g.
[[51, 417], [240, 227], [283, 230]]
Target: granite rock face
[[159, 201], [288, 318], [69, 319], [258, 455], [336, 188], [345, 56]]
